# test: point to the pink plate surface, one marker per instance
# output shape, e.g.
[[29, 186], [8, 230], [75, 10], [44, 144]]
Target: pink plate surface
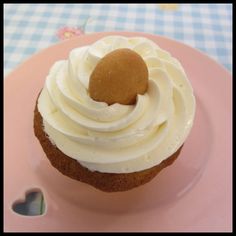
[[193, 194]]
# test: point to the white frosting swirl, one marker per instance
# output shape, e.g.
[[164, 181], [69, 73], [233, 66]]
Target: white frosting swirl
[[117, 138]]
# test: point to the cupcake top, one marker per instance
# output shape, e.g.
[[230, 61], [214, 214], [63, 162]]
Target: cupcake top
[[115, 137]]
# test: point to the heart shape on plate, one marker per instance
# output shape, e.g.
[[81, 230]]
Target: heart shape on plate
[[32, 205]]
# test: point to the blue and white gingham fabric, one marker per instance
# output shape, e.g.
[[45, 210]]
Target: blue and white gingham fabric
[[28, 28]]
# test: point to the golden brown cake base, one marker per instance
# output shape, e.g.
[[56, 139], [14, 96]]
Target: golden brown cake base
[[108, 182]]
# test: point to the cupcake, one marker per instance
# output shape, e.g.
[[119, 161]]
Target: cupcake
[[115, 113]]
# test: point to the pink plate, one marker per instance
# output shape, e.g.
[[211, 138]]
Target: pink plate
[[193, 194]]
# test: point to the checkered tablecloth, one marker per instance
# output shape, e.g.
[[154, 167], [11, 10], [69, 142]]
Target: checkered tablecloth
[[30, 27]]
